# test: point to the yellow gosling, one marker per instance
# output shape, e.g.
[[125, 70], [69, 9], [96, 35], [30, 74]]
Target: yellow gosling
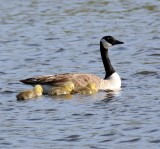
[[29, 94], [90, 88], [66, 88]]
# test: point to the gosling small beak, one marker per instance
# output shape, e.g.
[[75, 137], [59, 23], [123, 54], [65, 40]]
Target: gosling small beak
[[118, 42]]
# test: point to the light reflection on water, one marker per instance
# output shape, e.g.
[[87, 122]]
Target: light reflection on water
[[39, 38]]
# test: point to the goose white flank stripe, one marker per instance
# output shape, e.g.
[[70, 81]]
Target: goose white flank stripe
[[112, 81]]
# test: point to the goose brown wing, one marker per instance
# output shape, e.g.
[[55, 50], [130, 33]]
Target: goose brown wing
[[48, 79], [76, 78]]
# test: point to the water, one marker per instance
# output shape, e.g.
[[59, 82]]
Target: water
[[51, 37]]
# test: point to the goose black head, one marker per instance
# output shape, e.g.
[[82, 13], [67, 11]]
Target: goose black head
[[109, 41]]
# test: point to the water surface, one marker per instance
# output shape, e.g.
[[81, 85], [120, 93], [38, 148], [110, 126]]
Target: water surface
[[52, 37]]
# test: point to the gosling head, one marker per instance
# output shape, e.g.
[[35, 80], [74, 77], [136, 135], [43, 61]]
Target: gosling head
[[69, 85], [108, 41], [92, 85], [38, 89]]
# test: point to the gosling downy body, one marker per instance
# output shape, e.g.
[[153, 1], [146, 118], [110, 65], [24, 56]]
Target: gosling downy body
[[29, 94], [89, 89], [64, 89]]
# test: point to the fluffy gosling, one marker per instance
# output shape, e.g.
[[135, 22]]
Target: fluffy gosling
[[90, 88], [29, 94], [64, 89]]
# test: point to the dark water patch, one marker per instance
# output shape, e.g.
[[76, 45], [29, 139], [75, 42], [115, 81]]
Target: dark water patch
[[11, 119], [75, 114], [146, 73], [8, 109], [52, 38], [90, 45], [37, 110], [98, 128], [33, 45], [156, 38], [45, 64], [84, 53], [111, 96], [124, 79], [58, 119], [131, 128], [104, 101], [48, 60], [8, 41], [72, 138], [138, 53], [130, 140], [5, 60], [60, 50], [51, 110], [63, 139], [104, 141], [34, 119], [91, 61], [155, 141], [158, 77], [152, 131], [124, 63], [38, 54], [46, 111], [107, 99], [155, 54], [96, 147], [29, 59], [3, 73], [6, 143], [14, 83], [108, 134], [8, 92], [1, 138], [88, 114], [115, 125], [154, 49]]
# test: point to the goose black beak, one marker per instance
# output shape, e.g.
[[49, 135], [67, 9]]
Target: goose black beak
[[118, 42]]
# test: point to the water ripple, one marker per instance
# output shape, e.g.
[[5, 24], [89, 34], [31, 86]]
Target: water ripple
[[49, 37], [131, 140]]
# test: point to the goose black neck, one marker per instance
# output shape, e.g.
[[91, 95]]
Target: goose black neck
[[106, 61]]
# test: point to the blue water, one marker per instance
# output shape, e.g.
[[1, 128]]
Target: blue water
[[52, 37]]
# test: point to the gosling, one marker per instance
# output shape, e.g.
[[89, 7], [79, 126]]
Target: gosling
[[90, 88], [66, 88], [29, 94]]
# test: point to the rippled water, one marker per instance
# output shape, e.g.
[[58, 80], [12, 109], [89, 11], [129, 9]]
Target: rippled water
[[51, 37]]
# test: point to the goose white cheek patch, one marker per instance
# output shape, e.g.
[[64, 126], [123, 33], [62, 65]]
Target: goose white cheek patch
[[106, 44]]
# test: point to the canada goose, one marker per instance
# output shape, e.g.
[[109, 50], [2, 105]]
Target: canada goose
[[111, 81], [66, 88], [28, 94], [89, 89]]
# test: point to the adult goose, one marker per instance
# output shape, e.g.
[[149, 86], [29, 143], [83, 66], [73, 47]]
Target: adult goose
[[112, 81]]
